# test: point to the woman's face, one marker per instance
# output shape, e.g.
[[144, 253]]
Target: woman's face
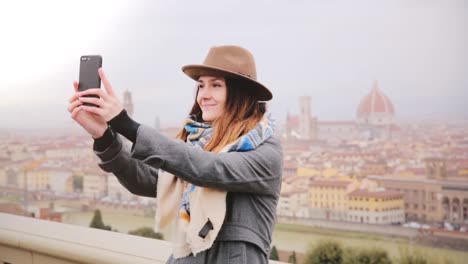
[[212, 95]]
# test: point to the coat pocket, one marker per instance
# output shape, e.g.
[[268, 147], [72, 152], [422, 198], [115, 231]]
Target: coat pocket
[[237, 253]]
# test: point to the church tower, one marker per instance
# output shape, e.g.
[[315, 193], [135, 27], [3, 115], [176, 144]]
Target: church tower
[[128, 103], [436, 168], [305, 118]]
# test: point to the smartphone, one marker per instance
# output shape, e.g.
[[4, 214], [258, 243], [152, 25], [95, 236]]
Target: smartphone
[[89, 76]]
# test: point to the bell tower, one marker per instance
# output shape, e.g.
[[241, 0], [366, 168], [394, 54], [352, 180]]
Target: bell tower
[[305, 117], [128, 103], [436, 168]]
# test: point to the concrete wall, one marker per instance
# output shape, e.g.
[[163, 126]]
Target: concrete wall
[[25, 240]]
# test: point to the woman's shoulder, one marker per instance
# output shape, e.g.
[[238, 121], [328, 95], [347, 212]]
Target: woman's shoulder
[[273, 143], [274, 140]]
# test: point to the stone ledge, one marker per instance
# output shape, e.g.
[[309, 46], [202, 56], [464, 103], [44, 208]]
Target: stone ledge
[[30, 240]]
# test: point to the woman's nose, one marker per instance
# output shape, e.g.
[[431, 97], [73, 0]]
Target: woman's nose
[[205, 94]]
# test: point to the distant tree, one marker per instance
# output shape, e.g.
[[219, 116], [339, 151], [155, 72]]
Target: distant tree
[[326, 252], [77, 183], [374, 256], [413, 260], [367, 256], [274, 253], [292, 259], [146, 232], [410, 256], [97, 222]]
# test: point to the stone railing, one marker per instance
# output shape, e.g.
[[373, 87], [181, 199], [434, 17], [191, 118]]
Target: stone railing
[[26, 240]]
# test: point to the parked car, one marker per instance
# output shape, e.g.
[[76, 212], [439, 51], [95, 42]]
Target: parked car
[[448, 226], [412, 225]]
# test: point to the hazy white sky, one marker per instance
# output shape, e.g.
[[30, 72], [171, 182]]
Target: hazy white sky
[[330, 50]]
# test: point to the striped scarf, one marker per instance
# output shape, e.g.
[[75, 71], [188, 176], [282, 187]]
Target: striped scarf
[[201, 133]]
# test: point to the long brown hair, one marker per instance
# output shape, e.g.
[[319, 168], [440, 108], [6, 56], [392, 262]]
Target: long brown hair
[[241, 114]]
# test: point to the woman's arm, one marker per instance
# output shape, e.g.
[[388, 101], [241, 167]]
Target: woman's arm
[[257, 171], [134, 175]]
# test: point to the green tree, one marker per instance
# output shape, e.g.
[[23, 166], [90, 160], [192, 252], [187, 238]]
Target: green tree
[[326, 252], [97, 222], [274, 253], [77, 183], [410, 255], [146, 232], [367, 256], [292, 259], [417, 255], [413, 260]]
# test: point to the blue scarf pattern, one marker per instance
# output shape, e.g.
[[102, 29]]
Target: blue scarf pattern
[[201, 133]]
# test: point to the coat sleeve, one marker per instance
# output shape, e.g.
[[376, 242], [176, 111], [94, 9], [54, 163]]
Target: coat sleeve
[[256, 171], [133, 174]]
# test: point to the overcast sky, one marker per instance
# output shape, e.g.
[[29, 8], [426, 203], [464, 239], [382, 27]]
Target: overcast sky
[[329, 50]]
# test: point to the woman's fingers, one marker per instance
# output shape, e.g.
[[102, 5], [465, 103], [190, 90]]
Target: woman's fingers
[[107, 103], [75, 95], [73, 105], [75, 111], [92, 109], [92, 100], [76, 86], [95, 91], [106, 82]]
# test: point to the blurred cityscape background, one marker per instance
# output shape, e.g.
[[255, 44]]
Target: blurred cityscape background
[[369, 99], [402, 181]]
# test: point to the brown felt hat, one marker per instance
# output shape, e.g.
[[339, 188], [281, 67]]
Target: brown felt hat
[[230, 61]]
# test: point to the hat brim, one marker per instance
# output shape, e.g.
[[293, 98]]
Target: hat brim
[[194, 71]]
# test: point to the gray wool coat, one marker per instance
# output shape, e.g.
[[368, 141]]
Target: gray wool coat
[[252, 180]]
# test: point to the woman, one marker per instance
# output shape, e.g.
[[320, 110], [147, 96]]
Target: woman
[[222, 185]]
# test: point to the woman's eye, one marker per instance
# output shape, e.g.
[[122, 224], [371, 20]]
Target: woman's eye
[[217, 85]]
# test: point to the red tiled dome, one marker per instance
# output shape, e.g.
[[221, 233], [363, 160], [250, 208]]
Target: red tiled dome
[[375, 102]]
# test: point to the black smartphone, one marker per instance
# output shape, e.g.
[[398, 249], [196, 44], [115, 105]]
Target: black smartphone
[[89, 76]]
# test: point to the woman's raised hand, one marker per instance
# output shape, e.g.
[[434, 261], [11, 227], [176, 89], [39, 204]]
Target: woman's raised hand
[[109, 104], [93, 119], [92, 123]]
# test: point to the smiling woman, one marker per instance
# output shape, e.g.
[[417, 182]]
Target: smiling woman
[[211, 97], [219, 186]]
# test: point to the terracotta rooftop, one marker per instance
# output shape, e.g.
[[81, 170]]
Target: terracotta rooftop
[[376, 194], [330, 183]]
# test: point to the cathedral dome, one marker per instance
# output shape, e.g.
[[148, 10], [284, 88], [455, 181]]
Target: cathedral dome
[[375, 108]]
